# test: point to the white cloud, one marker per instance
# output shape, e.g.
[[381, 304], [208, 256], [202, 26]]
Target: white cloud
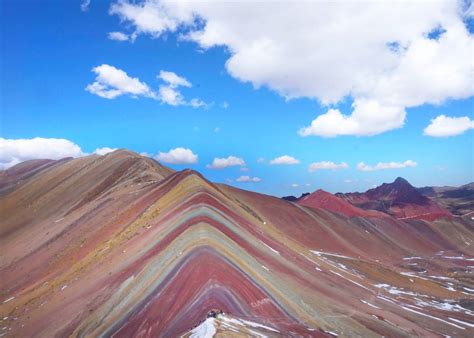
[[248, 179], [443, 126], [14, 151], [104, 150], [118, 36], [225, 105], [170, 96], [177, 156], [221, 163], [367, 118], [173, 80], [112, 82], [244, 169], [85, 5], [383, 166], [217, 130], [326, 165], [260, 160], [151, 17], [198, 103], [379, 54], [285, 159], [295, 185]]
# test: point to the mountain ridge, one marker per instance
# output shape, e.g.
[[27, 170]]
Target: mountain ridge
[[327, 201], [399, 199], [151, 254]]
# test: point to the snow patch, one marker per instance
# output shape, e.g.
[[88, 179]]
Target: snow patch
[[460, 258], [432, 317], [206, 329], [350, 280], [247, 323], [371, 305], [394, 291], [320, 253], [271, 248], [461, 322]]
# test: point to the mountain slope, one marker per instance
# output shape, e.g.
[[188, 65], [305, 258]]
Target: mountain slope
[[62, 186], [327, 201], [458, 200], [143, 251], [399, 199]]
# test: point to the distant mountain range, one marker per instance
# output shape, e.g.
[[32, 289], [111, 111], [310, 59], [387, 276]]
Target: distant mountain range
[[120, 245], [325, 200], [458, 200], [398, 199]]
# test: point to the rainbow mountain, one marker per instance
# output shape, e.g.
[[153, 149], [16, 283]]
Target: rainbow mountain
[[120, 245]]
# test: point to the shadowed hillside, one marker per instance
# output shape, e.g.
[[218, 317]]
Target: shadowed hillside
[[458, 200]]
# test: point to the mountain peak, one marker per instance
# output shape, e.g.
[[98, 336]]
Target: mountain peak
[[401, 180], [399, 190], [398, 198], [123, 152]]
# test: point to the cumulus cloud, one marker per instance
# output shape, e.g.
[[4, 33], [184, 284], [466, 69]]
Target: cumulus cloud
[[384, 166], [248, 179], [14, 151], [104, 150], [401, 55], [177, 156], [112, 82], [173, 80], [171, 96], [444, 126], [326, 165], [221, 163], [285, 159], [119, 36], [151, 17], [367, 118]]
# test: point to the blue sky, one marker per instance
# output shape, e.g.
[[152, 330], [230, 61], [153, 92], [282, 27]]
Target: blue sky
[[50, 48]]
